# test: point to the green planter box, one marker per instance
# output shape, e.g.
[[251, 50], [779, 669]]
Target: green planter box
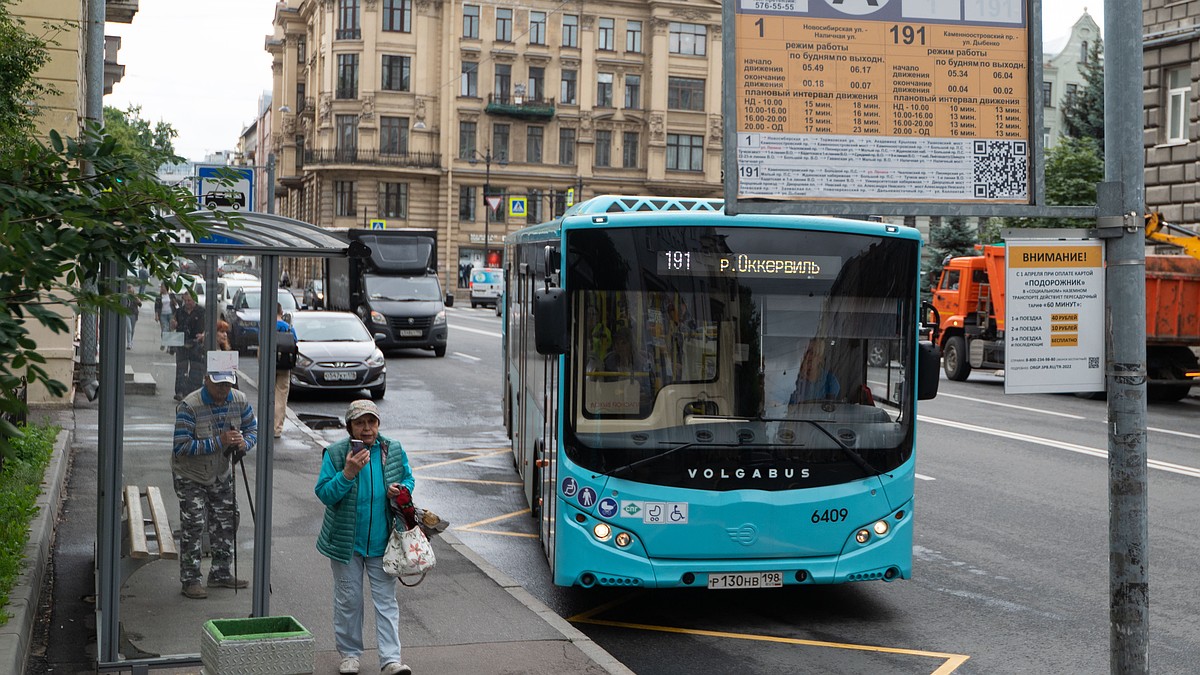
[[266, 645]]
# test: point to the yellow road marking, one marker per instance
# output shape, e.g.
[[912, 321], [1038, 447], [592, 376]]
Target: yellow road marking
[[527, 535], [952, 661], [494, 519], [456, 451], [441, 479], [459, 460]]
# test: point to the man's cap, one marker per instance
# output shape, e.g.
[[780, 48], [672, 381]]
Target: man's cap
[[362, 407], [222, 377]]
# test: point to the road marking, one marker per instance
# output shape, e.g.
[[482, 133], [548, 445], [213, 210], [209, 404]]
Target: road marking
[[460, 459], [473, 481], [1010, 405], [951, 663], [493, 519], [921, 476], [1061, 445], [467, 356], [490, 333], [1173, 433]]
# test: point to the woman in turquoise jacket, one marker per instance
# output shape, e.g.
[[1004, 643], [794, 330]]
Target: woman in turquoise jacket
[[356, 488]]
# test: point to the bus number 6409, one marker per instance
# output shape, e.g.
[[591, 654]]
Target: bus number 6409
[[830, 516]]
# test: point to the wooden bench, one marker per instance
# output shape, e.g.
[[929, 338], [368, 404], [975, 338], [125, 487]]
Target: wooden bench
[[146, 536]]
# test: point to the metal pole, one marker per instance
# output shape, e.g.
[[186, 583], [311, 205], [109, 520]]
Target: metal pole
[[94, 112], [487, 192], [1123, 193], [270, 183]]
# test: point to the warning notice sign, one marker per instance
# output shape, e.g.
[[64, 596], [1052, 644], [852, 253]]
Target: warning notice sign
[[883, 99]]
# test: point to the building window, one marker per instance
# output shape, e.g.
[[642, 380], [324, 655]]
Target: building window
[[343, 192], [397, 16], [566, 146], [348, 17], [1047, 97], [347, 136], [604, 90], [603, 148], [504, 19], [300, 102], [393, 135], [633, 92], [299, 153], [347, 82], [568, 87], [470, 79], [396, 73], [301, 50], [471, 21], [1072, 90], [537, 28], [500, 137], [633, 36], [533, 206], [570, 32], [537, 83], [534, 139], [629, 150], [688, 38], [466, 140], [466, 203], [1178, 95], [685, 152], [685, 93], [502, 86], [393, 200], [1083, 53], [606, 34]]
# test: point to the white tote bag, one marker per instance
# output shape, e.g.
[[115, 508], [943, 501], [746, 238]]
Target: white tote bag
[[408, 554]]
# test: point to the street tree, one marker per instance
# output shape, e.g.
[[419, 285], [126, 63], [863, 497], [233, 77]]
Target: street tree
[[71, 236], [1083, 112], [1073, 167], [952, 238], [149, 145]]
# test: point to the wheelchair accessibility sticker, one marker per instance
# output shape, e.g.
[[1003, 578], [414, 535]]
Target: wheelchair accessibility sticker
[[569, 487], [657, 513]]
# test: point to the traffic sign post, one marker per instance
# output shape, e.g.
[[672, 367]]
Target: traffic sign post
[[378, 224], [517, 206], [493, 202], [212, 190]]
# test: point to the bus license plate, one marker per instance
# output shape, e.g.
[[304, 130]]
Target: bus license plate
[[341, 375], [756, 580], [410, 333]]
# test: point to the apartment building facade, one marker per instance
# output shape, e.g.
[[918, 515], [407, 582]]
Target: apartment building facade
[[1062, 76], [1171, 71], [425, 113]]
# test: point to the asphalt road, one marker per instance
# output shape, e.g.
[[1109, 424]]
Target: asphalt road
[[1010, 555]]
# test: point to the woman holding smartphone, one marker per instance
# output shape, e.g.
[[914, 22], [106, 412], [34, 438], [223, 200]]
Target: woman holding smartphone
[[360, 476]]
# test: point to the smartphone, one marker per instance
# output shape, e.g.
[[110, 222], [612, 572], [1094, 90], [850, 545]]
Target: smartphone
[[355, 446]]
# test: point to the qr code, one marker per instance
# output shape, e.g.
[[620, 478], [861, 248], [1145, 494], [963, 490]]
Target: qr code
[[1093, 362], [1001, 169]]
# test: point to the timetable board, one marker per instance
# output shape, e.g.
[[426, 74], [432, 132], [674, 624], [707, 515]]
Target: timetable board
[[898, 100]]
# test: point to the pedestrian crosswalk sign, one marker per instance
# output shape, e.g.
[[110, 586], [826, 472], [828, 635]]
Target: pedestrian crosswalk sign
[[517, 207], [378, 224], [570, 197]]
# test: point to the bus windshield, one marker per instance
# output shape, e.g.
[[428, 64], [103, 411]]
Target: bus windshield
[[734, 357]]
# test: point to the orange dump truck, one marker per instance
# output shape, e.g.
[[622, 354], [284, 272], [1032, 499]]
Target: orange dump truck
[[970, 297]]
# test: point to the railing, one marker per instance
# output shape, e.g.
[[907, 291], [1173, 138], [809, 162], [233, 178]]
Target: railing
[[422, 160], [520, 106], [348, 34], [307, 105]]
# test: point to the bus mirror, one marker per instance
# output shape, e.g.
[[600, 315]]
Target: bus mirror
[[550, 321], [928, 370], [552, 262]]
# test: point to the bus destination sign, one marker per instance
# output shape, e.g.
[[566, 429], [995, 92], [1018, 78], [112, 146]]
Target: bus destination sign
[[705, 264], [883, 100]]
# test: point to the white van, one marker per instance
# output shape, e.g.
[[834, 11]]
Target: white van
[[486, 285]]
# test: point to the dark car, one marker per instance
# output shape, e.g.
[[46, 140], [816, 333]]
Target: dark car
[[336, 353], [230, 198], [243, 321], [314, 294]]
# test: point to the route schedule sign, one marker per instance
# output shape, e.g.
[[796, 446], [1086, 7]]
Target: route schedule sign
[[883, 100], [1054, 316]]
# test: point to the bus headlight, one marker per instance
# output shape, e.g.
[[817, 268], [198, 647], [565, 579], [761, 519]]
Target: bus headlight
[[862, 536], [880, 527], [602, 531], [624, 539]]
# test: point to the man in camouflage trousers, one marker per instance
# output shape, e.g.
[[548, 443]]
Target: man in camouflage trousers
[[214, 428]]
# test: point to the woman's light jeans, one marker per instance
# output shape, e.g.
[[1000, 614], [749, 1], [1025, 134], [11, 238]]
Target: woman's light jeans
[[348, 608]]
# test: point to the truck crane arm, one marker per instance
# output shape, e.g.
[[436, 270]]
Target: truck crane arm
[[1158, 230]]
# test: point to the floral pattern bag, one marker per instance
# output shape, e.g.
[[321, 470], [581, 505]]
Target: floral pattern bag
[[408, 553]]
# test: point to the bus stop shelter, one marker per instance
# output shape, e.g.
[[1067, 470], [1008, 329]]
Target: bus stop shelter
[[136, 420]]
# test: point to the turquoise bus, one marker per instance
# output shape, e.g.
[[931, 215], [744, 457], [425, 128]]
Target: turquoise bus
[[712, 401]]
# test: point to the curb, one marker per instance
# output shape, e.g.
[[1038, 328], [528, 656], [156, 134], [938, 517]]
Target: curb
[[16, 635], [572, 634]]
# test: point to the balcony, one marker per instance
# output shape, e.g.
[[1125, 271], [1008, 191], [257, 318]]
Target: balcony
[[348, 34], [417, 160], [520, 107], [308, 107]]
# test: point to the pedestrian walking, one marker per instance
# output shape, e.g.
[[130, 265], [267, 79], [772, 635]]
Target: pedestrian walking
[[360, 476], [284, 362], [133, 305], [214, 428], [189, 359]]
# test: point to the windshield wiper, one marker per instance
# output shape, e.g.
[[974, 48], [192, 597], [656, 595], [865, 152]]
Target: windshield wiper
[[850, 452], [636, 463]]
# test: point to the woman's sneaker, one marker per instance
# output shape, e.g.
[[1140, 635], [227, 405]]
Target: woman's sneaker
[[349, 665], [396, 669]]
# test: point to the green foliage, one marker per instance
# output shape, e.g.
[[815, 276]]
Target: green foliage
[[21, 56], [950, 239], [1073, 167], [20, 484], [149, 146], [1083, 113]]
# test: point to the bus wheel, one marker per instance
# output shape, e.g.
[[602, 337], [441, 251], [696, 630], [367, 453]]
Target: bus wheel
[[954, 359]]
